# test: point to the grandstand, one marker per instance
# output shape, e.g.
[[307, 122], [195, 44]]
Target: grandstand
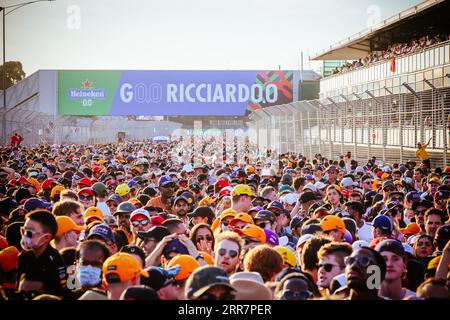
[[378, 109]]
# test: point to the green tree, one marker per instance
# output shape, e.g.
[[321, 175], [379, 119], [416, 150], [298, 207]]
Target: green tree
[[14, 73]]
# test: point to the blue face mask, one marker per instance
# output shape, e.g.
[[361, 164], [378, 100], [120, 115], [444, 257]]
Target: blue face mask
[[89, 276]]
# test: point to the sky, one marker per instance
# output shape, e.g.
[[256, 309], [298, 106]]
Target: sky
[[184, 34]]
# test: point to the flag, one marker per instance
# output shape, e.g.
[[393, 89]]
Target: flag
[[393, 67]]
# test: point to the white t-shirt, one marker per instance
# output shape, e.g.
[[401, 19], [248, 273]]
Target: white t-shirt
[[365, 232], [105, 210]]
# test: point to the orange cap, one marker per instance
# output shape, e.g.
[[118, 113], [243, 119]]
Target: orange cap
[[252, 231], [385, 176], [135, 202], [227, 213], [56, 190], [215, 224], [34, 183], [331, 222], [244, 217], [206, 201], [187, 263], [9, 259], [122, 267], [93, 213], [207, 258], [412, 228], [66, 224]]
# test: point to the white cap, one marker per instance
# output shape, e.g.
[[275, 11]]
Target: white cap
[[408, 248], [359, 169], [310, 186], [346, 182], [283, 241], [320, 185], [140, 211], [266, 172], [303, 239], [290, 198], [188, 168], [359, 244], [248, 276]]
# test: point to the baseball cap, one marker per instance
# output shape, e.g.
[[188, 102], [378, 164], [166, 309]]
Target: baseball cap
[[176, 246], [391, 245], [93, 213], [330, 222], [156, 232], [140, 212], [159, 277], [116, 198], [164, 180], [121, 267], [228, 213], [290, 198], [359, 244], [87, 190], [307, 196], [85, 182], [242, 189], [413, 196], [312, 229], [9, 258], [271, 237], [311, 187], [412, 228], [221, 183], [275, 205], [244, 217], [99, 187], [382, 222], [48, 183], [103, 231], [265, 215], [122, 189], [252, 231], [56, 190], [285, 188], [303, 239], [347, 182], [125, 207], [286, 179], [35, 203], [140, 292], [65, 224], [320, 185], [443, 233], [187, 265], [202, 211], [434, 180], [287, 255], [387, 183], [422, 202], [205, 278]]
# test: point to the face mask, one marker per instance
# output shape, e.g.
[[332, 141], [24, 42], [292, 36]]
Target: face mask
[[89, 276], [27, 243]]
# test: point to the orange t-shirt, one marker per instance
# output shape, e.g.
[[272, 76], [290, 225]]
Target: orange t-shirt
[[156, 202]]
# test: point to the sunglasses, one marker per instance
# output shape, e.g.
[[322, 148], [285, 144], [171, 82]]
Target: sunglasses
[[368, 182], [389, 189], [327, 266], [28, 233], [362, 261], [297, 295], [397, 199], [419, 212], [263, 224], [83, 197], [225, 223], [223, 296], [231, 253], [207, 238], [142, 222]]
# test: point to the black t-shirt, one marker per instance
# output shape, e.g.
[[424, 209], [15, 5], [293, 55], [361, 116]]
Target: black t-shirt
[[48, 268]]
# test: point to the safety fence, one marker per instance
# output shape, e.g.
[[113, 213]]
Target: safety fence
[[387, 126]]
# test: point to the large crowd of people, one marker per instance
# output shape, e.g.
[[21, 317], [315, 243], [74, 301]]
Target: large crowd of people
[[394, 51], [188, 221]]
